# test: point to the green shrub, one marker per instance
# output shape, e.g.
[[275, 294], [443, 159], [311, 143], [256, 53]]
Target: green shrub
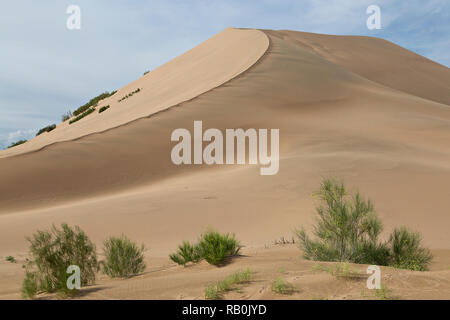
[[10, 259], [348, 229], [186, 253], [81, 116], [123, 257], [46, 129], [212, 246], [216, 291], [407, 252], [146, 72], [51, 253], [93, 102], [215, 247], [67, 116], [17, 143], [282, 287], [103, 109]]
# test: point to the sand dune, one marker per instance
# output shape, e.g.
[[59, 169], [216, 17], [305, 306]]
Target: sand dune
[[179, 80], [357, 108]]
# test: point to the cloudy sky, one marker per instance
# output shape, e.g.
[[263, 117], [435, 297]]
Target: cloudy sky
[[46, 69]]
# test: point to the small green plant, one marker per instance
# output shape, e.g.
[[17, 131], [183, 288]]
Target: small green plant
[[66, 116], [407, 252], [129, 95], [146, 72], [212, 246], [124, 258], [384, 293], [51, 253], [216, 291], [11, 259], [282, 270], [81, 116], [103, 109], [46, 129], [17, 143], [215, 247], [186, 253], [340, 270], [282, 287]]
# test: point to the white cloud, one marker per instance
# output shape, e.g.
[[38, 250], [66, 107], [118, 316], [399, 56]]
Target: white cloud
[[11, 137]]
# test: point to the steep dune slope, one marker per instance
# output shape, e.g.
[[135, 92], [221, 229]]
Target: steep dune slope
[[333, 120], [381, 61], [202, 68]]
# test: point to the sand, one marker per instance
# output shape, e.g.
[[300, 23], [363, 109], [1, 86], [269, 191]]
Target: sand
[[358, 108]]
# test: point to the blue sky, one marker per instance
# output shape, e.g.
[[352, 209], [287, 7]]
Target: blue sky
[[46, 69]]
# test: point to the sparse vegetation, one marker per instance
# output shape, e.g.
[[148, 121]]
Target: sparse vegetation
[[212, 246], [146, 72], [348, 230], [17, 143], [186, 253], [282, 270], [340, 270], [384, 293], [216, 291], [129, 95], [124, 258], [282, 287], [10, 259], [66, 116], [93, 102], [81, 116], [51, 253], [46, 129], [283, 241], [104, 108]]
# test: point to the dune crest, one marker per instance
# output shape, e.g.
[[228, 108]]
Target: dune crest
[[205, 67]]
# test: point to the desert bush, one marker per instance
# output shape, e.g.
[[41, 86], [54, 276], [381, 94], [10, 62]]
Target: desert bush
[[17, 143], [407, 252], [81, 116], [186, 253], [51, 253], [46, 129], [212, 246], [348, 230], [123, 257], [93, 102], [146, 72], [66, 116], [103, 109], [10, 259], [215, 247]]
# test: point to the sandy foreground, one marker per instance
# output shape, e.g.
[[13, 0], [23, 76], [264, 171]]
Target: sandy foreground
[[357, 108]]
